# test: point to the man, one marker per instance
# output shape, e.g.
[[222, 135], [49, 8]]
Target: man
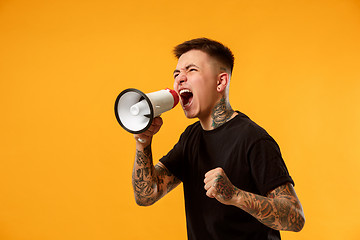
[[236, 184]]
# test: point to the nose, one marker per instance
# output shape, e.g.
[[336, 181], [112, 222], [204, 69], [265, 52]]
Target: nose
[[182, 78]]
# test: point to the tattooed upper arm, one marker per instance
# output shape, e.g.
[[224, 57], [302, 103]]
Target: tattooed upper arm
[[166, 180], [283, 190]]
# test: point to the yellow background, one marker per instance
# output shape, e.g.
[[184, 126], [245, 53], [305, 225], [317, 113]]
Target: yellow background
[[65, 163]]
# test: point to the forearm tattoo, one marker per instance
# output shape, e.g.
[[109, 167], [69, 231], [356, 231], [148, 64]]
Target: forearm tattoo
[[280, 210], [221, 113], [142, 177], [149, 181]]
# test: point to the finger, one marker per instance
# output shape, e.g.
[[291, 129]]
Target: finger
[[158, 121], [211, 193], [152, 128], [207, 179], [150, 132], [155, 126], [210, 176], [209, 173], [145, 134], [208, 185], [214, 171]]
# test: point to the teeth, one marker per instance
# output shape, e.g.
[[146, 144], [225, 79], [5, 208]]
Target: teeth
[[184, 91]]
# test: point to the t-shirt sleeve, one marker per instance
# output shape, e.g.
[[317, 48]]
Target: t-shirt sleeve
[[267, 166], [174, 159]]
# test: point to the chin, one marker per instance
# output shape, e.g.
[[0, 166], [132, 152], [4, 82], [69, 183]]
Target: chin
[[190, 115]]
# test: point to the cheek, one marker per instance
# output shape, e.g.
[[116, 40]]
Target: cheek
[[207, 88], [207, 93]]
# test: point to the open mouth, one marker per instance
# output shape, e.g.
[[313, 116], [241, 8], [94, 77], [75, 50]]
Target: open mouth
[[186, 97]]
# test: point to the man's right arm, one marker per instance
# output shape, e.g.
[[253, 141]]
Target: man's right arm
[[150, 183]]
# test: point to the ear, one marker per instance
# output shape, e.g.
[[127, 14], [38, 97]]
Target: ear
[[222, 82]]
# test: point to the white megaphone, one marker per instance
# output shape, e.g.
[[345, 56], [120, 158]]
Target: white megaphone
[[135, 110]]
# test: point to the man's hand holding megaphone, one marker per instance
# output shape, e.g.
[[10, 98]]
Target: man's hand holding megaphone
[[146, 137], [138, 113]]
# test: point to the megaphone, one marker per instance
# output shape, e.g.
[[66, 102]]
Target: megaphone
[[135, 110]]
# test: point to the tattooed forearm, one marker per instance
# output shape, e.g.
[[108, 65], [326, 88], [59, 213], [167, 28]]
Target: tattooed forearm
[[150, 182], [280, 210], [221, 113], [143, 157], [142, 177]]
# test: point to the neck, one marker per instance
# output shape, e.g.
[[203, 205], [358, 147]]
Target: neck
[[221, 113]]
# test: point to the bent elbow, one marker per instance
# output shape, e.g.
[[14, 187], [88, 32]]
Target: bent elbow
[[301, 223], [144, 202]]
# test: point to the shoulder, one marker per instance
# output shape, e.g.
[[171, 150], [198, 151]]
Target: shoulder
[[246, 127], [245, 132]]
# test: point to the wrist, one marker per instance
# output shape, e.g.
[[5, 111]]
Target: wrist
[[237, 198]]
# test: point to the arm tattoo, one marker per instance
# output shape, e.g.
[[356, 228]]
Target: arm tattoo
[[163, 175], [221, 113], [280, 210], [142, 177], [143, 157], [150, 182]]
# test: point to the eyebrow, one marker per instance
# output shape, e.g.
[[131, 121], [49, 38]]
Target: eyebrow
[[187, 68]]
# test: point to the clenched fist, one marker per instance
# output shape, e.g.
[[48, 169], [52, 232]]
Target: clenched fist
[[217, 185]]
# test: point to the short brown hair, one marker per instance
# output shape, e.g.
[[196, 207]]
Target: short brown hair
[[215, 49]]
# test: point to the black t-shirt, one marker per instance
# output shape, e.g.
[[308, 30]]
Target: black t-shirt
[[252, 161]]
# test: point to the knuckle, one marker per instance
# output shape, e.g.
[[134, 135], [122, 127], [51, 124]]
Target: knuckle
[[219, 170]]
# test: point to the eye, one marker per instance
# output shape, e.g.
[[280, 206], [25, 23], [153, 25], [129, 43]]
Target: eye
[[192, 69], [175, 75]]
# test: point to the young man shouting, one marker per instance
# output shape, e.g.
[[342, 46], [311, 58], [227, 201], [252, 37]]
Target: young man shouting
[[236, 184]]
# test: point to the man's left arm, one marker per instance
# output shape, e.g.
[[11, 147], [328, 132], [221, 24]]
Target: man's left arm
[[279, 210]]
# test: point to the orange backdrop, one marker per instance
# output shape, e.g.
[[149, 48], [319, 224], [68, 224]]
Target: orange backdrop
[[65, 163]]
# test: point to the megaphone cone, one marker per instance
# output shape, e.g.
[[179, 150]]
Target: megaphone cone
[[135, 110]]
